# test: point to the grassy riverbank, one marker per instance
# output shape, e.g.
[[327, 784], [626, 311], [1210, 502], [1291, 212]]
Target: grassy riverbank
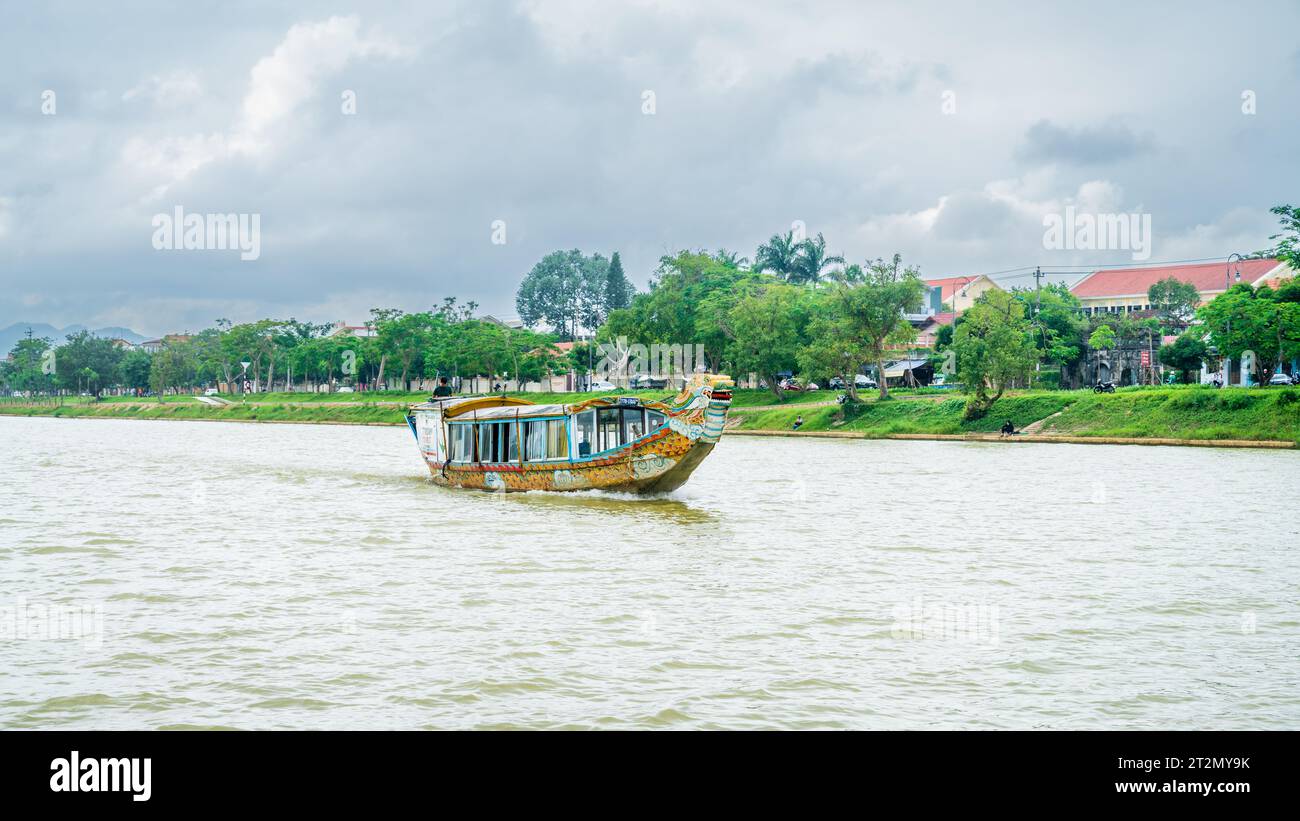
[[1156, 413], [1139, 413]]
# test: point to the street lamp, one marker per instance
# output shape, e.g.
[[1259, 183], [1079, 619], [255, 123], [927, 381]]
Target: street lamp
[[1228, 282], [1228, 279], [965, 282]]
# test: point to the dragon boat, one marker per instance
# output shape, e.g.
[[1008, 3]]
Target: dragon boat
[[618, 443]]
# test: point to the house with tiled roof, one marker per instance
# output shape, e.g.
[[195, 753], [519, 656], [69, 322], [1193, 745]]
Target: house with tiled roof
[[156, 345], [960, 292], [360, 331], [1124, 290], [928, 331]]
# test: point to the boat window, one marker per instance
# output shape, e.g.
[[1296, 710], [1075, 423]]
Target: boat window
[[608, 428], [534, 441], [633, 424], [546, 439], [496, 442], [557, 439], [653, 420], [462, 443], [512, 434], [584, 433]]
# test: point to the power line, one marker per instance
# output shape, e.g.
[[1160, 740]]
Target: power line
[[1028, 270]]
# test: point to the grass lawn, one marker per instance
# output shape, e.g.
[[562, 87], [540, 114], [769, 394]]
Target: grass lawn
[[1174, 412]]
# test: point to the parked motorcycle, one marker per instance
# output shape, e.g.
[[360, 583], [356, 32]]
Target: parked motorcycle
[[1104, 387]]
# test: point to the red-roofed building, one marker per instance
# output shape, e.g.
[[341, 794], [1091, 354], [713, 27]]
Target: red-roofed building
[[360, 331], [959, 293], [928, 331], [1124, 290]]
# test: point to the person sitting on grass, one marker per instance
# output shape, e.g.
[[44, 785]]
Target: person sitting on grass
[[798, 422]]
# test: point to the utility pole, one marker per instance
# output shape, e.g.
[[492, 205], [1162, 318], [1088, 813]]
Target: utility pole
[[1038, 291]]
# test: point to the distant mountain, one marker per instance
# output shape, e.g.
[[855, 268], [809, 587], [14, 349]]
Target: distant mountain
[[10, 336]]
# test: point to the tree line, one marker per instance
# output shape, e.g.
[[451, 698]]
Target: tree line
[[394, 348], [796, 309]]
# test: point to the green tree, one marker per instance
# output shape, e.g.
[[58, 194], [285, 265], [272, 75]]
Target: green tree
[[994, 347], [566, 290], [618, 291], [779, 255], [1056, 316], [173, 367], [1174, 301], [867, 310], [135, 370], [762, 328], [404, 339], [31, 366], [689, 293], [811, 261], [731, 259], [252, 342], [1287, 241], [1245, 319], [1102, 338], [1184, 355], [88, 361]]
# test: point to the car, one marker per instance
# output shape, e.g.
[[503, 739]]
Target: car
[[211, 392], [792, 384], [862, 383], [643, 382], [1280, 379], [602, 385], [345, 389]]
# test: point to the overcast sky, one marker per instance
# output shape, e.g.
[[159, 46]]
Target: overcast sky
[[533, 113]]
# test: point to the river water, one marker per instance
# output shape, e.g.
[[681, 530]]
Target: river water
[[190, 574]]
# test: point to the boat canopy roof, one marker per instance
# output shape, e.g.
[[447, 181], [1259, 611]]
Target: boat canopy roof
[[467, 408], [509, 412], [453, 407]]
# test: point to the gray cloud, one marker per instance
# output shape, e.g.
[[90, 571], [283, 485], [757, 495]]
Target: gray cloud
[[1046, 142], [531, 113]]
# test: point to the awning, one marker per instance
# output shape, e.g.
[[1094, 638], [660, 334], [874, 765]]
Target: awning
[[894, 370]]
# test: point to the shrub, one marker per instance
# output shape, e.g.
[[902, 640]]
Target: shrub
[[1234, 400]]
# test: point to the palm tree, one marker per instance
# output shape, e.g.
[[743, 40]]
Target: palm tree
[[812, 261], [778, 255], [731, 259]]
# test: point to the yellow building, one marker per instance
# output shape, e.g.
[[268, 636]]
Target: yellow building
[[1124, 290], [959, 293]]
